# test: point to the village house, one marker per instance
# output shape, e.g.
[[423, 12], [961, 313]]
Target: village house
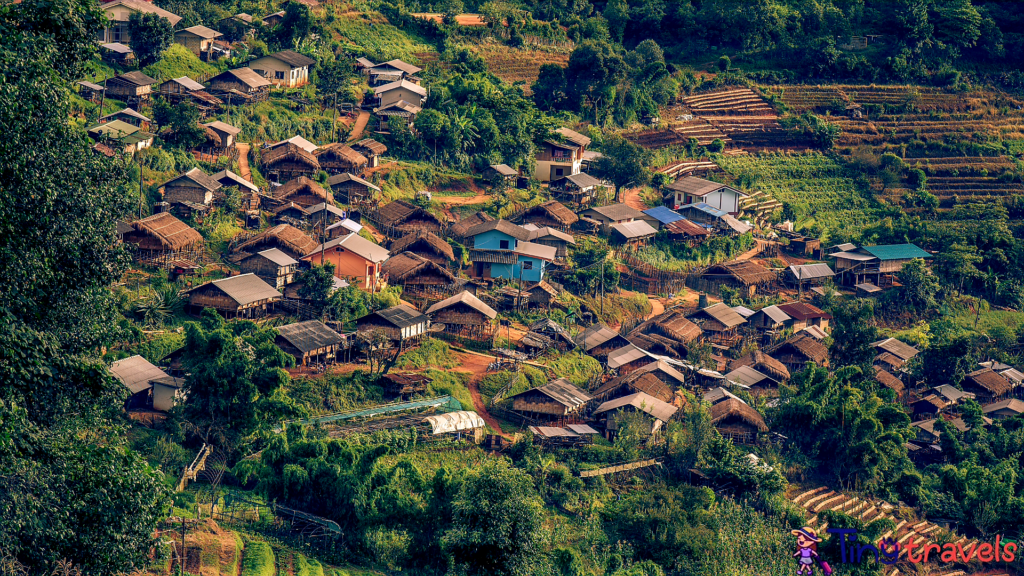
[[636, 233], [500, 249], [244, 296], [291, 213], [226, 134], [141, 378], [561, 157], [401, 324], [90, 91], [289, 161], [551, 214], [273, 266], [199, 40], [796, 351], [803, 315], [497, 173], [400, 91], [404, 385], [546, 335], [893, 354], [717, 395], [876, 265], [719, 220], [355, 259], [599, 341], [557, 401], [425, 245], [338, 159], [241, 84], [987, 385], [694, 190], [349, 189], [720, 324], [1004, 409], [1012, 375], [131, 87], [371, 150], [117, 53], [401, 217], [162, 237], [284, 69], [807, 274], [458, 230], [117, 136], [284, 237], [771, 319], [759, 372], [927, 407], [390, 71], [190, 192], [687, 232], [404, 113], [657, 379], [951, 394], [271, 20], [322, 216], [342, 228], [546, 236], [612, 214], [465, 317], [610, 414], [737, 421], [744, 276], [891, 382], [660, 217], [667, 333], [310, 342], [578, 189], [927, 431], [128, 116], [419, 277], [118, 12], [627, 359]]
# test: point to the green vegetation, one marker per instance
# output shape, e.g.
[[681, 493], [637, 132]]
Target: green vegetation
[[675, 257], [177, 61], [430, 354], [258, 559]]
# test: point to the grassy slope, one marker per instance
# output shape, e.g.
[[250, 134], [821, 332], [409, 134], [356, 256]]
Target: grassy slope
[[369, 32]]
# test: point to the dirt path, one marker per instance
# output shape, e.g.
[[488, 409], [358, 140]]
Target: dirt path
[[463, 200], [477, 366], [631, 198], [357, 130], [657, 307], [243, 161], [753, 252]]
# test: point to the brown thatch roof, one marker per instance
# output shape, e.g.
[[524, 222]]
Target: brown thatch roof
[[173, 234], [371, 146], [764, 364], [282, 236], [989, 380], [402, 266], [300, 184], [676, 325], [556, 211], [734, 407], [637, 381], [342, 152], [462, 226], [399, 211], [807, 346], [439, 246], [290, 152], [743, 271], [888, 380]]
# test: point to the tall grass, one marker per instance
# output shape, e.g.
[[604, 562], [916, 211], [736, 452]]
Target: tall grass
[[258, 560]]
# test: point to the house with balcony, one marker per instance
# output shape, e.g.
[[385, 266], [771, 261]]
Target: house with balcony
[[285, 69], [562, 156], [501, 249], [876, 265], [119, 11], [693, 190]]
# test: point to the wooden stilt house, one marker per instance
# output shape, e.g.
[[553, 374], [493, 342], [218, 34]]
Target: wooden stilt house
[[557, 401], [464, 317], [243, 296], [289, 161], [162, 238], [426, 245], [419, 277], [338, 158]]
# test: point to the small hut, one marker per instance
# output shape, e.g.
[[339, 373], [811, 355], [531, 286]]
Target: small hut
[[576, 189], [225, 133], [612, 412], [287, 238], [687, 232], [349, 189], [90, 91], [548, 236], [545, 335], [192, 187], [667, 333], [419, 277], [289, 161], [635, 233], [804, 315], [743, 275], [425, 244], [798, 350], [163, 237], [987, 385], [773, 371], [558, 400], [400, 217], [339, 158], [401, 323], [244, 296], [464, 317], [458, 230], [599, 341], [131, 87], [310, 342], [737, 421], [889, 381], [404, 384], [656, 379], [301, 191], [371, 149], [551, 214], [240, 85], [273, 266], [720, 323]]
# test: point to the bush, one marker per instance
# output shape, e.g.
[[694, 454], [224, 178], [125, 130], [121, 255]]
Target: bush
[[724, 63], [258, 560], [388, 548], [716, 145], [432, 353]]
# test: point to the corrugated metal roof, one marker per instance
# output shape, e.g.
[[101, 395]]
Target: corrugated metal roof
[[625, 355], [136, 373], [595, 335], [645, 403], [552, 432], [852, 256], [469, 300], [188, 83], [310, 335], [292, 58], [402, 316], [724, 314], [746, 376], [617, 212], [454, 422], [278, 257], [563, 392], [706, 208], [246, 289], [534, 250], [743, 311], [775, 313], [582, 429], [815, 332], [663, 214], [414, 88], [900, 349], [298, 141], [896, 252], [202, 32], [718, 394], [811, 271], [357, 245], [634, 229]]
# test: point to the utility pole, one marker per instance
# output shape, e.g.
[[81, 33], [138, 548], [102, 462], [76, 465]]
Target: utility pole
[[334, 122], [602, 284], [181, 556], [103, 97], [140, 189]]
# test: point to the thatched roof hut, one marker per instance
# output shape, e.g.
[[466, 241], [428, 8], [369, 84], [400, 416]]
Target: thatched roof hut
[[552, 213], [337, 158], [403, 217], [889, 381], [459, 229], [303, 192], [743, 272], [426, 244], [764, 364], [798, 350], [289, 161], [409, 267], [163, 232], [736, 420], [284, 237]]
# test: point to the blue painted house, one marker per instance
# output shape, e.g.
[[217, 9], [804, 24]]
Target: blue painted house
[[501, 249]]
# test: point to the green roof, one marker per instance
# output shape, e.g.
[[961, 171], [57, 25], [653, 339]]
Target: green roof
[[113, 129], [896, 252]]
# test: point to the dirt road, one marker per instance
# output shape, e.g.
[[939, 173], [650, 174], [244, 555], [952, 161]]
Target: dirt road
[[357, 130], [631, 198], [462, 200], [243, 161], [476, 366]]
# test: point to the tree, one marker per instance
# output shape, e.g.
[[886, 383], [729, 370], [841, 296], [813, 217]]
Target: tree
[[150, 35], [181, 123], [957, 23], [918, 290], [332, 76], [234, 370], [496, 526], [549, 91], [318, 287], [853, 331], [957, 264], [624, 163], [295, 25], [616, 13], [724, 63], [381, 352]]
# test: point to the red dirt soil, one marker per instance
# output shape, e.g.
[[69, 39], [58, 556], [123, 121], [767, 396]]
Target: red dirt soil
[[477, 366]]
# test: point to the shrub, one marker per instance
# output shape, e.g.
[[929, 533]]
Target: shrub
[[258, 560], [716, 145], [388, 548], [724, 63]]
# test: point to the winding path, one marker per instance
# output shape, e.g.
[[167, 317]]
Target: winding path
[[476, 365], [243, 161], [360, 126]]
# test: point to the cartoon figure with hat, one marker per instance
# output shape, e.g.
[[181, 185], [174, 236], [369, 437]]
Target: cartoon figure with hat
[[807, 552]]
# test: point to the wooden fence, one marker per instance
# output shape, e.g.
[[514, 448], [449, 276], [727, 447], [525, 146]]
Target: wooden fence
[[644, 277], [624, 467], [193, 469]]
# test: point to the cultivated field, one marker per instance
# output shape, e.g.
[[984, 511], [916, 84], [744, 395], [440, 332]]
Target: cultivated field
[[519, 65], [818, 98]]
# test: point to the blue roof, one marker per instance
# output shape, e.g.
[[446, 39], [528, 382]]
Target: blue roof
[[896, 252], [664, 214], [707, 208]]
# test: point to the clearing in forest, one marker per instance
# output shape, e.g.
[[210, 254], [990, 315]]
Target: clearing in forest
[[519, 64]]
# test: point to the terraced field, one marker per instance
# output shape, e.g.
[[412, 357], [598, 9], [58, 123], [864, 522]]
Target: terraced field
[[817, 98], [902, 128], [742, 115], [517, 64]]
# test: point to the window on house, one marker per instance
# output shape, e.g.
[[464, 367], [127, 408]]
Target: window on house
[[528, 265], [559, 172], [503, 244], [279, 75]]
